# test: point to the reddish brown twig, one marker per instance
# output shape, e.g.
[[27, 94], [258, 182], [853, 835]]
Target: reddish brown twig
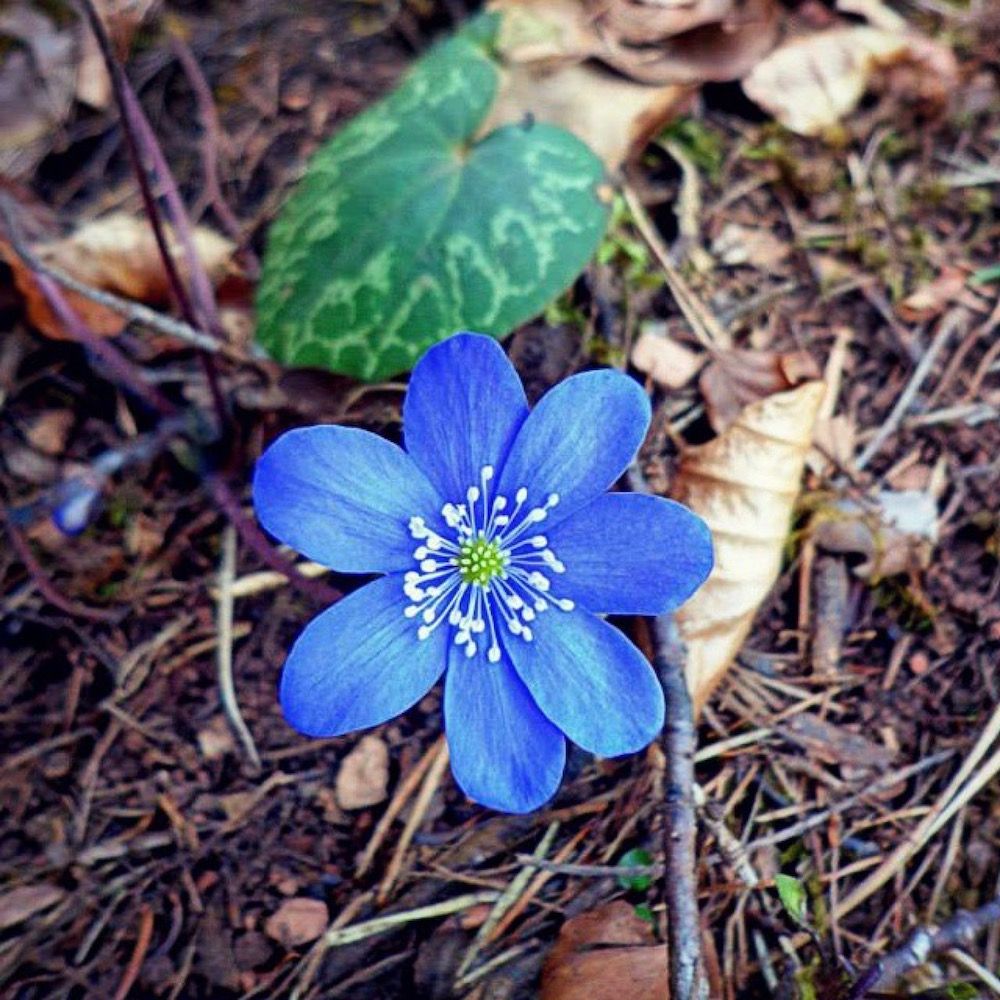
[[255, 540], [45, 586]]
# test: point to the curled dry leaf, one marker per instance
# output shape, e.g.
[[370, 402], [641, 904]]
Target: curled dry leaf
[[736, 378], [896, 532], [552, 51], [118, 254], [933, 298], [744, 483], [37, 77], [364, 775], [809, 83], [664, 360], [605, 954]]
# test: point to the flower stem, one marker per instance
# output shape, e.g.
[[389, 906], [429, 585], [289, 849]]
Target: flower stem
[[680, 884]]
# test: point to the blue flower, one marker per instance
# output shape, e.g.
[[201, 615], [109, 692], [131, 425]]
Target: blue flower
[[499, 549]]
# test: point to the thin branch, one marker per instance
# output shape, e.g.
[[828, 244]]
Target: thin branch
[[255, 540], [45, 586], [960, 931], [134, 312], [224, 646], [679, 740]]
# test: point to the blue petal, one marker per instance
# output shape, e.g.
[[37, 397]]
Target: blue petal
[[360, 663], [343, 497], [590, 681], [626, 553], [463, 408], [504, 753], [578, 440]]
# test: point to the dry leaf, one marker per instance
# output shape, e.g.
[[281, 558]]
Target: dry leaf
[[118, 254], [37, 77], [895, 533], [298, 921], [551, 51], [823, 741], [760, 248], [48, 431], [744, 484], [809, 83], [122, 19], [666, 362], [20, 904], [364, 775], [216, 739], [736, 378], [932, 299], [614, 116], [606, 954]]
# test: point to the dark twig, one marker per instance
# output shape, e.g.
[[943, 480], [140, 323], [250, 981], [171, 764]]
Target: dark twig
[[139, 138], [680, 882], [255, 540], [960, 931], [212, 133], [45, 586], [127, 373]]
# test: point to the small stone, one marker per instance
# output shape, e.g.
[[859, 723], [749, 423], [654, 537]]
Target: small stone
[[363, 778], [297, 921]]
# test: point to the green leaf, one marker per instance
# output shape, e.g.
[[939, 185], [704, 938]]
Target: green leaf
[[793, 898], [407, 228], [631, 859], [644, 912], [986, 275]]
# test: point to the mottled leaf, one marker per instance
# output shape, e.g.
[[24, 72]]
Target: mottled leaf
[[407, 227]]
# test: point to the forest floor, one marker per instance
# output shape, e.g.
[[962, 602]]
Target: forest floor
[[144, 853]]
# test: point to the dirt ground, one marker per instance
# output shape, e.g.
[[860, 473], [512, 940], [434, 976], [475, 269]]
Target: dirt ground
[[159, 860]]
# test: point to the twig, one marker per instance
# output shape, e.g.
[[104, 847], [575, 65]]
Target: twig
[[413, 821], [686, 976], [406, 788], [590, 871], [506, 900], [211, 133], [960, 930], [134, 312], [224, 648], [143, 937], [704, 325], [45, 586], [339, 936], [255, 540], [948, 326], [958, 792]]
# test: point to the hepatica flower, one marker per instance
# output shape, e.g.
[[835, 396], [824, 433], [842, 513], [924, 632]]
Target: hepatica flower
[[499, 549]]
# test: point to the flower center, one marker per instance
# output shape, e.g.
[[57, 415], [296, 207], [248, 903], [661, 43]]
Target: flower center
[[480, 560], [488, 573]]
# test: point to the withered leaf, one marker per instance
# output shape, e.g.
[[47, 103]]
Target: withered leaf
[[744, 483]]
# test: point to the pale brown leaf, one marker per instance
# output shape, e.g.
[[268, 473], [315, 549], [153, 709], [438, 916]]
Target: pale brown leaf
[[744, 483], [809, 83], [118, 254], [666, 362], [552, 51], [606, 954], [933, 298]]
